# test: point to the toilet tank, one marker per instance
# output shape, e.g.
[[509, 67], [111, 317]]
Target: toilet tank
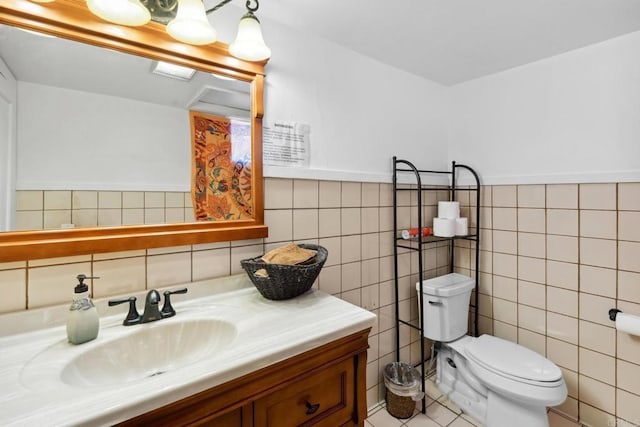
[[446, 300]]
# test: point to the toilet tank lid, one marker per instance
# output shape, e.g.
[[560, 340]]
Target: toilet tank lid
[[512, 359], [447, 285]]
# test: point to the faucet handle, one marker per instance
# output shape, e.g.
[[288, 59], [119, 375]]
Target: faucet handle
[[133, 317], [167, 308]]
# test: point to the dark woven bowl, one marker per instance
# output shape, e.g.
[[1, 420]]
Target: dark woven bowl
[[285, 281]]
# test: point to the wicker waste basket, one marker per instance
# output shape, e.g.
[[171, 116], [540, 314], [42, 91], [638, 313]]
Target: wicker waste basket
[[403, 384]]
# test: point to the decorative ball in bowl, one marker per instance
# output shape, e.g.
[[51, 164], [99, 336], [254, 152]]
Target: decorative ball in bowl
[[279, 281]]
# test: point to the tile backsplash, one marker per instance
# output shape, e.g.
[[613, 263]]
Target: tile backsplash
[[553, 260]]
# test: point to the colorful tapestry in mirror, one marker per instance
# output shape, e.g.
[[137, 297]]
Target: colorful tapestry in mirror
[[221, 168]]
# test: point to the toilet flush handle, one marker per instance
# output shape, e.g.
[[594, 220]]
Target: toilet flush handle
[[435, 302]]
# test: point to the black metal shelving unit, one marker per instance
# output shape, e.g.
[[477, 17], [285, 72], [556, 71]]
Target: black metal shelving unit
[[418, 243]]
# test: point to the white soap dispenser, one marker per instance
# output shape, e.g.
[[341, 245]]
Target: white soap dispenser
[[83, 322]]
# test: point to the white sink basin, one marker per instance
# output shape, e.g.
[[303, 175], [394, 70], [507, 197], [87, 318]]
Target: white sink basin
[[150, 351]]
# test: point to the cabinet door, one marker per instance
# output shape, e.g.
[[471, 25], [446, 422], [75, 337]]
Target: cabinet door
[[324, 399], [236, 418]]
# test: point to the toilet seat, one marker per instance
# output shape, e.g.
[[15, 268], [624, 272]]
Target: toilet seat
[[513, 361]]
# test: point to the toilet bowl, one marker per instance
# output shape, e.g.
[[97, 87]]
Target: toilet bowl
[[499, 383]]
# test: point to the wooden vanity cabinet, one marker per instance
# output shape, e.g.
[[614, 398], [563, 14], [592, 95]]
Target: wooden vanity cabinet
[[323, 387]]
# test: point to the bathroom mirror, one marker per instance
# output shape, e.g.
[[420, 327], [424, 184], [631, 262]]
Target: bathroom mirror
[[237, 95]]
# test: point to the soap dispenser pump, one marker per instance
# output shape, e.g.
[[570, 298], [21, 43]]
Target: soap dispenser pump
[[83, 322]]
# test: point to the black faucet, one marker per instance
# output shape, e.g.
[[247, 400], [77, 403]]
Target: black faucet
[[151, 311]]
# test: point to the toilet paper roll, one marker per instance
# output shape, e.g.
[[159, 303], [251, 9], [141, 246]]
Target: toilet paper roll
[[444, 227], [448, 210], [628, 323], [462, 226]]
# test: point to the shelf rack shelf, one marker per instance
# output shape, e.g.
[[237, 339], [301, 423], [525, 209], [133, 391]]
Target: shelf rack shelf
[[418, 243]]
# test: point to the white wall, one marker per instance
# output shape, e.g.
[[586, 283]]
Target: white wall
[[8, 101], [571, 118], [99, 142], [361, 112]]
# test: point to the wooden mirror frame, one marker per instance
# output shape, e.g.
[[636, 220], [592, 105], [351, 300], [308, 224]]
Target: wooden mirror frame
[[72, 20]]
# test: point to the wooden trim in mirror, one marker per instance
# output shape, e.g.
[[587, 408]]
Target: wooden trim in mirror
[[71, 19]]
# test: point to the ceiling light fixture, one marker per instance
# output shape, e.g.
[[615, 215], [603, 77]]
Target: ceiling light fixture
[[249, 44], [122, 12], [191, 24], [174, 71]]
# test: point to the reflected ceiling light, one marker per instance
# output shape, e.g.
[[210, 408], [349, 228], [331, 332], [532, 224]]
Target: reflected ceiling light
[[249, 44], [191, 24], [175, 71], [123, 12]]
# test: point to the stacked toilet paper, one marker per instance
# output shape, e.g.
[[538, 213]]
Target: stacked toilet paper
[[448, 223]]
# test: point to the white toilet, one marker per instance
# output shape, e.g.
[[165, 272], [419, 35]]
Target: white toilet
[[497, 382]]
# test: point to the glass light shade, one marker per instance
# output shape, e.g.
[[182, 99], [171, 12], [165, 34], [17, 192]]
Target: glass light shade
[[191, 24], [123, 12], [249, 44], [43, 1]]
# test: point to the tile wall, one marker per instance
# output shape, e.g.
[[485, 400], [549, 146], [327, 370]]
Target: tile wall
[[553, 260], [51, 209]]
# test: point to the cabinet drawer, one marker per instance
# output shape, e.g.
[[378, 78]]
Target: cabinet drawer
[[324, 399]]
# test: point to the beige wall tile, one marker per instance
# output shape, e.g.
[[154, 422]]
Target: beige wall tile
[[351, 194], [169, 269], [109, 200], [174, 199], [305, 193], [13, 265], [331, 279], [562, 275], [597, 337], [84, 218], [29, 220], [562, 248], [154, 215], [597, 366], [629, 256], [599, 224], [211, 263], [562, 196], [486, 262], [351, 276], [370, 220], [597, 394], [595, 308], [628, 407], [532, 245], [562, 221], [174, 215], [628, 375], [532, 269], [386, 194], [595, 417], [486, 239], [571, 380], [562, 301], [533, 319], [123, 276], [333, 246], [350, 248], [629, 286], [305, 224], [598, 281], [629, 226], [132, 200], [531, 196], [504, 265], [505, 331], [531, 220], [486, 217], [280, 223], [84, 200], [504, 219], [386, 219], [532, 294], [486, 192], [505, 242], [504, 196], [505, 311], [569, 408], [53, 284], [562, 327], [278, 193], [13, 288], [562, 353], [329, 222], [598, 252], [370, 194], [629, 196], [350, 221], [132, 216], [598, 196], [57, 200], [153, 199], [54, 219], [370, 245], [61, 260], [370, 272], [505, 288], [532, 341], [29, 200], [109, 217]]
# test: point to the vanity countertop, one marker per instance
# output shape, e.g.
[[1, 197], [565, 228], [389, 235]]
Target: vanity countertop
[[32, 392]]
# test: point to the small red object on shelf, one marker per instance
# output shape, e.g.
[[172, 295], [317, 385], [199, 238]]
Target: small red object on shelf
[[413, 232]]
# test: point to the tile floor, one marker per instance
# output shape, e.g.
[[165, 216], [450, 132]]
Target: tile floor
[[441, 412]]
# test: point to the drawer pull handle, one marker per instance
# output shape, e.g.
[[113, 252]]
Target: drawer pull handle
[[312, 408]]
